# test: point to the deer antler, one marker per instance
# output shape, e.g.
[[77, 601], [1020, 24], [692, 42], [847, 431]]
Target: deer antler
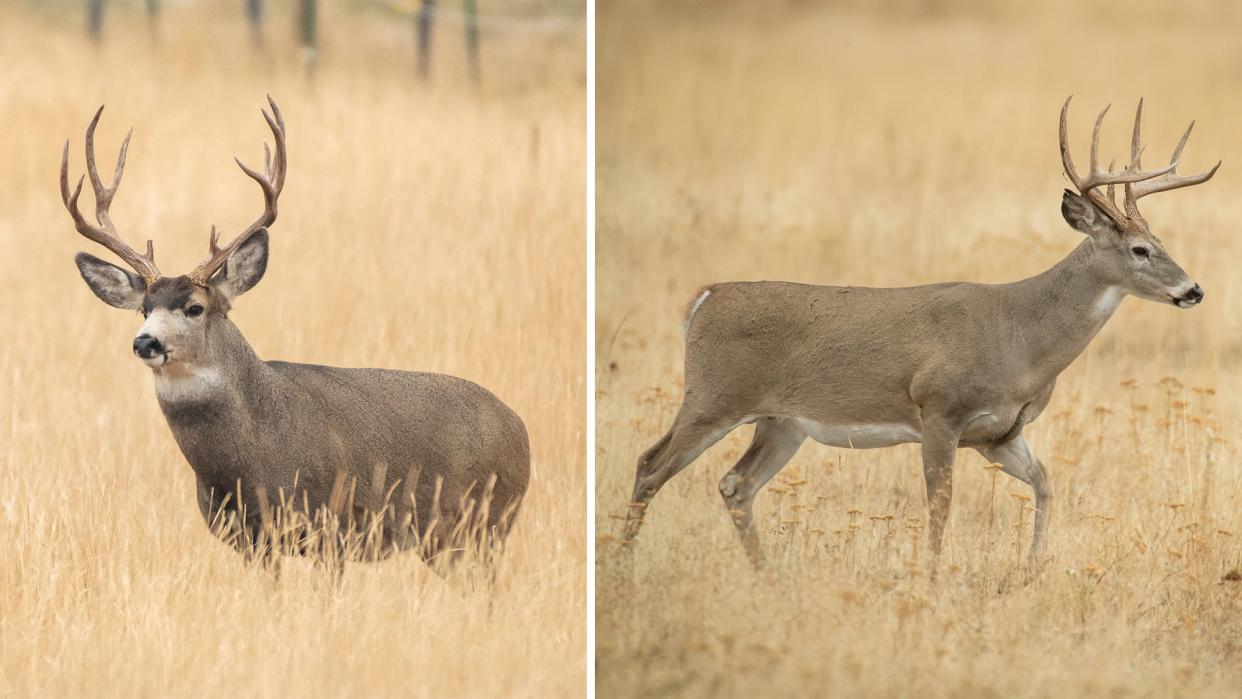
[[1087, 185], [271, 182], [1168, 180], [105, 233], [1138, 182]]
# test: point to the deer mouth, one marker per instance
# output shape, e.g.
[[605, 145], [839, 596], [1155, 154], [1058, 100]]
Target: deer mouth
[[1189, 298], [157, 360]]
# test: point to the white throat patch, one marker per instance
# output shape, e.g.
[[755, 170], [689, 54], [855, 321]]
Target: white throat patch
[[187, 385], [1108, 302]]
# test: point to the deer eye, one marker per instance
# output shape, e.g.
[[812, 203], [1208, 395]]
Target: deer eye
[[194, 311], [1140, 250]]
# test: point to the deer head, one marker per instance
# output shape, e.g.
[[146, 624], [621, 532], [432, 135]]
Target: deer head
[[1128, 255], [178, 311]]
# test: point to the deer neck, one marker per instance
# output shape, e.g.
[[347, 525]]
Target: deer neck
[[218, 382], [1060, 311]]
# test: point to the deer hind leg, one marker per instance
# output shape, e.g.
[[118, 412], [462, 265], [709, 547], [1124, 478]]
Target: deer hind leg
[[259, 548], [775, 442], [668, 457], [1018, 460], [939, 455]]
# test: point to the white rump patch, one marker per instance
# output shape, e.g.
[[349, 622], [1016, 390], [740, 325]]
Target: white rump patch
[[859, 436], [187, 385], [694, 307]]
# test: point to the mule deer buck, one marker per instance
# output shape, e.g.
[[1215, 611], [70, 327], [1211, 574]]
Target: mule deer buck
[[945, 365], [419, 455]]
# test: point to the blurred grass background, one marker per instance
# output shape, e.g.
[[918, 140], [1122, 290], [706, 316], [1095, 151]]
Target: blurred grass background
[[895, 143], [427, 223]]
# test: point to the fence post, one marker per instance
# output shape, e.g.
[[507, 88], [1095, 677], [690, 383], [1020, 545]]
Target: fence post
[[153, 20], [471, 8], [308, 27], [95, 19], [254, 15], [422, 23]]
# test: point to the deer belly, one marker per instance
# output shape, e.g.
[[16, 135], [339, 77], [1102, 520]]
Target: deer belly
[[871, 436]]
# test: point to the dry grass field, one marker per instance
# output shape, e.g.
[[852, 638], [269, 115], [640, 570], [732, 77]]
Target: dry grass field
[[430, 226], [896, 146]]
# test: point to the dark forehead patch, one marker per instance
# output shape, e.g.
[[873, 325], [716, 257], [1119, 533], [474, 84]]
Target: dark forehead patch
[[168, 292]]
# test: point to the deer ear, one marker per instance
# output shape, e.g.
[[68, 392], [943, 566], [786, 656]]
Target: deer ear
[[244, 268], [1083, 216], [114, 286]]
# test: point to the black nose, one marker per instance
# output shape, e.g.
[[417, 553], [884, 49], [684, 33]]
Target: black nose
[[1195, 294], [147, 347]]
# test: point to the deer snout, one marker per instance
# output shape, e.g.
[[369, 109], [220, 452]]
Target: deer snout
[[147, 347], [1189, 298]]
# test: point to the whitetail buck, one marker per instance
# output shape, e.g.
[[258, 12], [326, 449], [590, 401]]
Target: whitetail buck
[[419, 457], [947, 365]]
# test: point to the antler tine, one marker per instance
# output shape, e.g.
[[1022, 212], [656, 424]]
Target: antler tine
[[1136, 158], [281, 162], [1096, 177], [64, 176], [1095, 139], [105, 233], [1169, 180], [1067, 161], [92, 170], [1181, 143], [271, 181]]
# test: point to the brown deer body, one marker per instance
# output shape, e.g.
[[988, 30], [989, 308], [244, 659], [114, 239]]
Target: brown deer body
[[945, 365], [425, 461]]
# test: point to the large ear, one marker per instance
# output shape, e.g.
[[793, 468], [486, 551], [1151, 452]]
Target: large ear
[[1084, 217], [114, 286], [244, 268]]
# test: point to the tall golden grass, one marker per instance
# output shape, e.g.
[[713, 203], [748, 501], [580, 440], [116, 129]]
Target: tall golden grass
[[905, 145], [435, 227]]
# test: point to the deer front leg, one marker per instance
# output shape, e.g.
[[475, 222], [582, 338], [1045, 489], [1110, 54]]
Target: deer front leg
[[1017, 459], [939, 455]]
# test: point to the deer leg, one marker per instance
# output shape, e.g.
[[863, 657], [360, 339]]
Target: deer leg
[[272, 563], [334, 567], [939, 455], [775, 442], [668, 457], [262, 551], [1018, 460], [634, 514]]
